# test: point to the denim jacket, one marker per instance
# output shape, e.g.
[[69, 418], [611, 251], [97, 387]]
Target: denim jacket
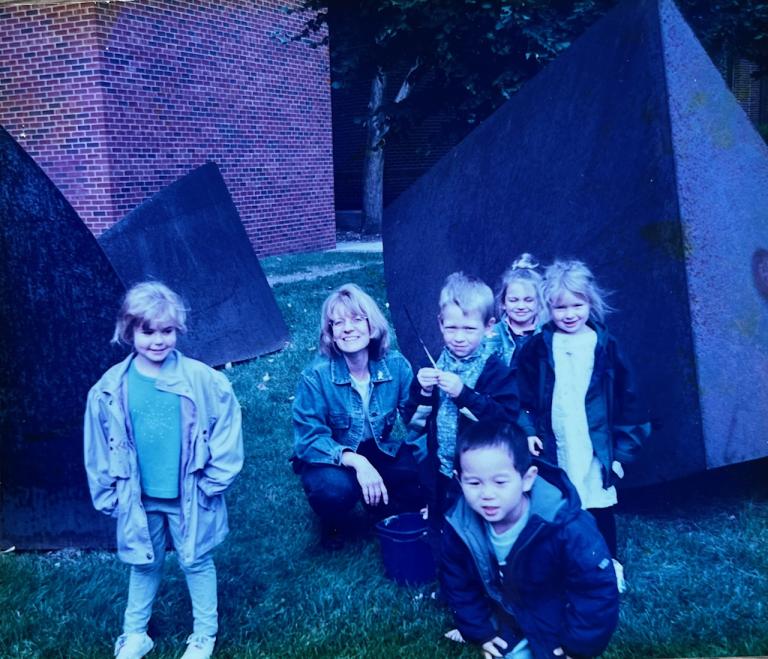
[[504, 343], [211, 456], [328, 412]]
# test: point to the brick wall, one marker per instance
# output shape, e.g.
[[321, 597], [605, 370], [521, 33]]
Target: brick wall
[[746, 88], [115, 100]]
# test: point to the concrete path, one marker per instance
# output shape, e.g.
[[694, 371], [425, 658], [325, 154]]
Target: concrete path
[[313, 273], [366, 246], [352, 246]]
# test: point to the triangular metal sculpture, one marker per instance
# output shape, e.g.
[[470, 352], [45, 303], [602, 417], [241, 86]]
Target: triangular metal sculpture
[[190, 236], [630, 153], [58, 299]]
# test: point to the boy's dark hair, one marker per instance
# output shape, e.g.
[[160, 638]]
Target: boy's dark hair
[[484, 434]]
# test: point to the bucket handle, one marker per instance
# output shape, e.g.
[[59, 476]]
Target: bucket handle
[[421, 536]]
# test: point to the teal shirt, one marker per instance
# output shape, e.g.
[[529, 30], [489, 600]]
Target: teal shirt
[[156, 421]]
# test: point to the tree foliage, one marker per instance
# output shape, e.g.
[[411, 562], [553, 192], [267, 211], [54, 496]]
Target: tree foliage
[[736, 28], [476, 53]]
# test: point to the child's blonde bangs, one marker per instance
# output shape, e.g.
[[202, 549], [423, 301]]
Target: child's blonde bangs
[[147, 303], [576, 278], [469, 293]]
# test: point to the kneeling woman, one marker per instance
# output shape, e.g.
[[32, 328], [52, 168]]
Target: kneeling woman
[[345, 408]]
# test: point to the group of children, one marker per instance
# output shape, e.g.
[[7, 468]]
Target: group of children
[[525, 569], [518, 429]]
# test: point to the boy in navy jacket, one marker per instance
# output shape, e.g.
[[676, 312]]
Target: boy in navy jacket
[[525, 570]]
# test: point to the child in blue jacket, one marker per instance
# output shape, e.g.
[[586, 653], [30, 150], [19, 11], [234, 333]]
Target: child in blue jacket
[[162, 443], [525, 570]]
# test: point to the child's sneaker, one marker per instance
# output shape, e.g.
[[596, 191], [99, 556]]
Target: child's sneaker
[[133, 646], [620, 583], [454, 635], [199, 647]]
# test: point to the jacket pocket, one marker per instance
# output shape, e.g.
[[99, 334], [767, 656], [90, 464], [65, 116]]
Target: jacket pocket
[[340, 424], [206, 502], [119, 462], [387, 424], [201, 454]]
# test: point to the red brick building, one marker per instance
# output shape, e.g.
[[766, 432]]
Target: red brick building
[[115, 100]]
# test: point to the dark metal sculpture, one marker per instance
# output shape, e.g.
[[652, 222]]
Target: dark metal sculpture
[[189, 235], [630, 153], [58, 299]]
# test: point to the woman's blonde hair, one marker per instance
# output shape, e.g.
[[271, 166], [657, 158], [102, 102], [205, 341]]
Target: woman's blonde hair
[[575, 277], [357, 302], [144, 304], [524, 268]]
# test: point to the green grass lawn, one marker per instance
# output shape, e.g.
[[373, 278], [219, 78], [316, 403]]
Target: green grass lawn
[[696, 558]]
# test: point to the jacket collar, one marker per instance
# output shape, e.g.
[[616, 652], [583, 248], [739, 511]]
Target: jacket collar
[[340, 371], [550, 328], [503, 326], [553, 500], [169, 373]]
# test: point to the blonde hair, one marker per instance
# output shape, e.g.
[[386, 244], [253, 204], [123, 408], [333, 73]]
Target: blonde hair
[[357, 302], [145, 303], [575, 277], [525, 268], [469, 293]]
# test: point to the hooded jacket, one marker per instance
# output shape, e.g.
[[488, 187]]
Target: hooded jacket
[[618, 424], [211, 456], [558, 587]]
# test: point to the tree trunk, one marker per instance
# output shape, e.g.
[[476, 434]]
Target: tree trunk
[[373, 165]]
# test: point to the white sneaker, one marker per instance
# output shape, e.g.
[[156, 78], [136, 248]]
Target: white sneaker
[[133, 646], [199, 647], [619, 569], [454, 635]]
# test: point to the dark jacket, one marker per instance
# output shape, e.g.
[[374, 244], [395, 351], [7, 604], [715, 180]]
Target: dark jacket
[[618, 424], [558, 587], [493, 398]]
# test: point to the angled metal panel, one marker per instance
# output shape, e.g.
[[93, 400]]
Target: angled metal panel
[[190, 236], [722, 175], [584, 162], [58, 299]]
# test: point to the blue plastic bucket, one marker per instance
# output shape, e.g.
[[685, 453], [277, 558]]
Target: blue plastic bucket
[[404, 549]]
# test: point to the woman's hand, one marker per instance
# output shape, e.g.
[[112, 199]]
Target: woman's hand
[[371, 482]]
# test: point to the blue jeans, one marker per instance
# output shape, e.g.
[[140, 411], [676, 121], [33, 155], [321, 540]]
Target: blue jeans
[[520, 651], [145, 580], [333, 491]]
